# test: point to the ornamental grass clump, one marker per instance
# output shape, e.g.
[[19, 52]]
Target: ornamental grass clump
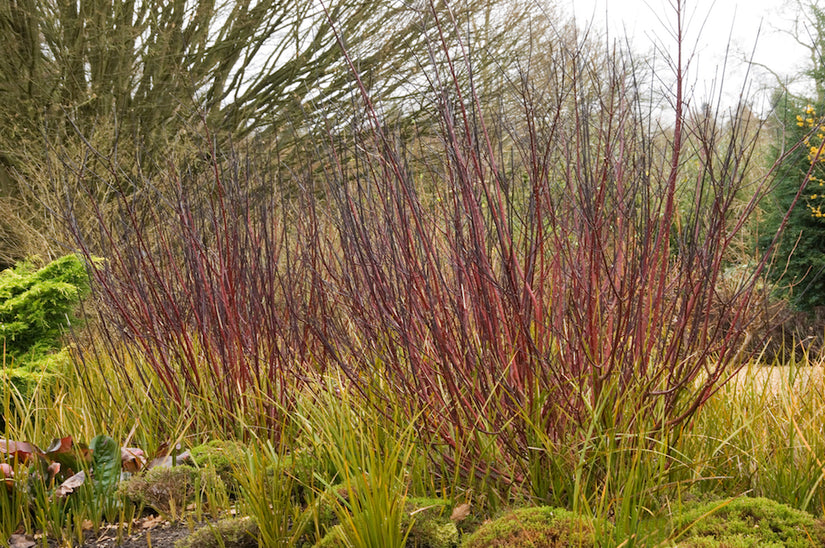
[[531, 285], [542, 282], [371, 453], [212, 294]]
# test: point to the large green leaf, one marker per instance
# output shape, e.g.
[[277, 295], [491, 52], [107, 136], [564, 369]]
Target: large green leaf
[[105, 463]]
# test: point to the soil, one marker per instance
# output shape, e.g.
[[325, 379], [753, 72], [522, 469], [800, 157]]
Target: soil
[[145, 533], [163, 536]]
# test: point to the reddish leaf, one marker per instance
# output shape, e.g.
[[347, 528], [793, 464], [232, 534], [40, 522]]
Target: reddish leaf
[[133, 459], [60, 445], [7, 475], [70, 455], [23, 451]]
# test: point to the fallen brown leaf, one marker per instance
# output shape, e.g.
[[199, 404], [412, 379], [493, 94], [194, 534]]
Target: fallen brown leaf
[[460, 512], [151, 523], [70, 484], [21, 541]]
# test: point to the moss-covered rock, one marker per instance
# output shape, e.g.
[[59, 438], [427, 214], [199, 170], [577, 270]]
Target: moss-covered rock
[[334, 538], [543, 526], [747, 523], [227, 533], [431, 523], [166, 490], [224, 457]]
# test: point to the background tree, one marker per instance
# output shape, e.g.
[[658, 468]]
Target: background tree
[[126, 81], [800, 252]]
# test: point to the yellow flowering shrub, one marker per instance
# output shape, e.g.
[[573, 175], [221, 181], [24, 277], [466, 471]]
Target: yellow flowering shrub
[[815, 143]]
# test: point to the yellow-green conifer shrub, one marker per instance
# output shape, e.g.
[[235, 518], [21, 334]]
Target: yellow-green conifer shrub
[[36, 306]]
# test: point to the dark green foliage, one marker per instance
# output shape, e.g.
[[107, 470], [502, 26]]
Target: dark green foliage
[[800, 252], [36, 305], [541, 526], [748, 523]]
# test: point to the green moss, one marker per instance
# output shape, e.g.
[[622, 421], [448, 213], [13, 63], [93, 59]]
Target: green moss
[[747, 522], [227, 533], [224, 457], [431, 524], [544, 527]]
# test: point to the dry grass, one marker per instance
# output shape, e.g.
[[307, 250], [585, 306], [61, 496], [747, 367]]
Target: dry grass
[[775, 378]]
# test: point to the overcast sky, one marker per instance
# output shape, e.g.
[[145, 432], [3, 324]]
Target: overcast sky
[[719, 21]]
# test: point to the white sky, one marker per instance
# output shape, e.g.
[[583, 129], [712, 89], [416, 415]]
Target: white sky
[[647, 21]]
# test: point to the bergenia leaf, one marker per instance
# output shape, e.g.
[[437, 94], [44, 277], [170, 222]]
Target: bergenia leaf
[[132, 459], [71, 456], [106, 463], [22, 451]]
